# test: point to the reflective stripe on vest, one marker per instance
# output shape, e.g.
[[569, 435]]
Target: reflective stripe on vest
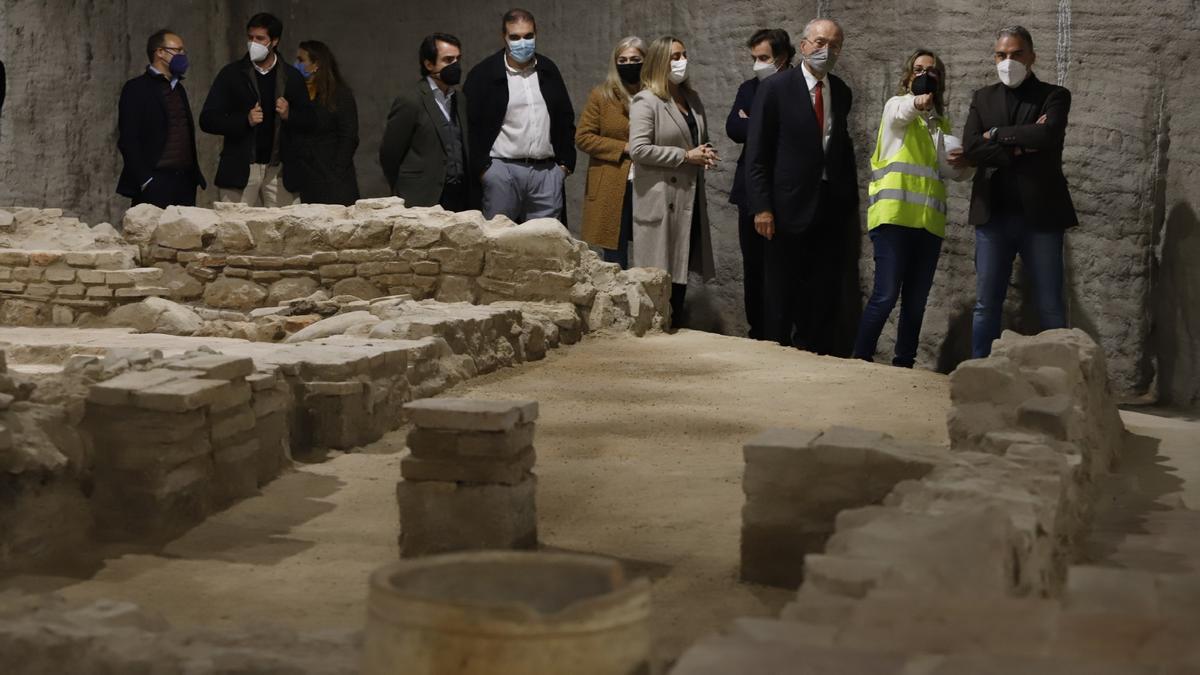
[[910, 198], [907, 189]]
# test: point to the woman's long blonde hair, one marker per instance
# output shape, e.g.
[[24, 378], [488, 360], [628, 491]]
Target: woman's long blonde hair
[[614, 88], [657, 67]]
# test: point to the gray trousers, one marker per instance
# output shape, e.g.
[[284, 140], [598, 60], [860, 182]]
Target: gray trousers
[[522, 190]]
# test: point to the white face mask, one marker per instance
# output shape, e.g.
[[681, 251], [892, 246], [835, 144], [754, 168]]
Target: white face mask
[[1012, 73], [678, 71], [258, 53], [765, 69]]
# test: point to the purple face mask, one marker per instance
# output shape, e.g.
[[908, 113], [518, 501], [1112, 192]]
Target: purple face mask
[[178, 65]]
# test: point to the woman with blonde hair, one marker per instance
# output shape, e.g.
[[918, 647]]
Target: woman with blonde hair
[[603, 133], [906, 219], [668, 141]]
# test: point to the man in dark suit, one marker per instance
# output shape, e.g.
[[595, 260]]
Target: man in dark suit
[[157, 137], [772, 52], [254, 103], [1020, 204], [522, 140], [801, 186], [424, 150]]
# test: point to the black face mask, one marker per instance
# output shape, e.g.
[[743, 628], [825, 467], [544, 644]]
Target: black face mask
[[925, 83], [451, 74], [631, 73]]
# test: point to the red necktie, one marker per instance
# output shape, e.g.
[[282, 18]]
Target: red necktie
[[819, 108]]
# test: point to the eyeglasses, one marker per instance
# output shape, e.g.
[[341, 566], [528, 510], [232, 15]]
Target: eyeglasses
[[921, 70], [174, 51], [823, 42]]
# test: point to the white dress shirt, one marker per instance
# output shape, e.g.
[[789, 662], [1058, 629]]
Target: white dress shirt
[[443, 100], [826, 97], [525, 133]]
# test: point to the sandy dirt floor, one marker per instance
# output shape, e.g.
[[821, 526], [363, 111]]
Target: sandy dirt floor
[[639, 458]]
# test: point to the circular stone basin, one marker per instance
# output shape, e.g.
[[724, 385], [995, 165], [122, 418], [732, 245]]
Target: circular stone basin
[[499, 612]]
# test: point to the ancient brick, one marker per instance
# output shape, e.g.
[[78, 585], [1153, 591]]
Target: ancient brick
[[470, 414], [438, 517], [181, 395]]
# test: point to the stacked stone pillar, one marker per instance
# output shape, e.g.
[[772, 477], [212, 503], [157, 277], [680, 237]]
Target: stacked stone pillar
[[467, 481]]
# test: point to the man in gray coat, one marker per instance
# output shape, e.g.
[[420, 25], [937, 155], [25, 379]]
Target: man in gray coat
[[424, 150]]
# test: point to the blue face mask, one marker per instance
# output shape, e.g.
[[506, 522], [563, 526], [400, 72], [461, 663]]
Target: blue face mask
[[521, 50], [300, 66]]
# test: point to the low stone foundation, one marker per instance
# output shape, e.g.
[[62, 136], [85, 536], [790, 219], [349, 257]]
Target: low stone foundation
[[964, 565]]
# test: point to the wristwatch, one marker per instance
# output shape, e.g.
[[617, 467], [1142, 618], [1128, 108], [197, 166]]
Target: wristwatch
[[992, 133]]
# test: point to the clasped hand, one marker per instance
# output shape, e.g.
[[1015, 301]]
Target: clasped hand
[[703, 155]]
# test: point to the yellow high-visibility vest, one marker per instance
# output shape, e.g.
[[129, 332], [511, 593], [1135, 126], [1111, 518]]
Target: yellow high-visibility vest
[[906, 188]]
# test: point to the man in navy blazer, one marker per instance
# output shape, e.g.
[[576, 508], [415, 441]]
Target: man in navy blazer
[[157, 137], [772, 52], [801, 185]]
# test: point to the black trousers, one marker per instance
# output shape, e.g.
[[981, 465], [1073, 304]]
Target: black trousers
[[753, 247], [169, 187], [802, 283], [454, 197]]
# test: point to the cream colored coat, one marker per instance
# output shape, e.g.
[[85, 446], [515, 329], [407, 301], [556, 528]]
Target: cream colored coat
[[665, 187]]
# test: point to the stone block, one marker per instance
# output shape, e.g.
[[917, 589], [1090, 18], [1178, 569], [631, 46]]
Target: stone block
[[121, 425], [227, 293], [45, 258], [126, 452], [185, 227], [71, 291], [270, 401], [503, 471], [357, 287], [91, 276], [132, 506], [438, 517], [438, 444], [142, 292], [470, 414], [846, 577], [40, 290], [81, 258], [1051, 415], [274, 447], [235, 472], [12, 287], [216, 366], [337, 271], [114, 260], [14, 258], [181, 395], [120, 389], [232, 423], [60, 275]]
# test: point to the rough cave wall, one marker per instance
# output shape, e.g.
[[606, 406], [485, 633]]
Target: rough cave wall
[[66, 61], [1133, 280]]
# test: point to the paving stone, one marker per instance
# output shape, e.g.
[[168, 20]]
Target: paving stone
[[470, 414]]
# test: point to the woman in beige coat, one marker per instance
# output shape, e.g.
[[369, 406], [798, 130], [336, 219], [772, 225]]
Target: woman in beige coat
[[668, 141], [603, 134]]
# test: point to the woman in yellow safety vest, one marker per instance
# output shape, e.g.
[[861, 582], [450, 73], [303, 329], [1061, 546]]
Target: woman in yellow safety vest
[[906, 217]]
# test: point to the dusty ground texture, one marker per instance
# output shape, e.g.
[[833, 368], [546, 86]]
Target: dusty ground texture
[[639, 458]]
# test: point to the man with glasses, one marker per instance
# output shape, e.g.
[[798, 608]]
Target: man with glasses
[[801, 186], [157, 137]]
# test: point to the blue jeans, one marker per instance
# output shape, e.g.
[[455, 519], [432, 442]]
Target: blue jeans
[[997, 244], [905, 261]]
